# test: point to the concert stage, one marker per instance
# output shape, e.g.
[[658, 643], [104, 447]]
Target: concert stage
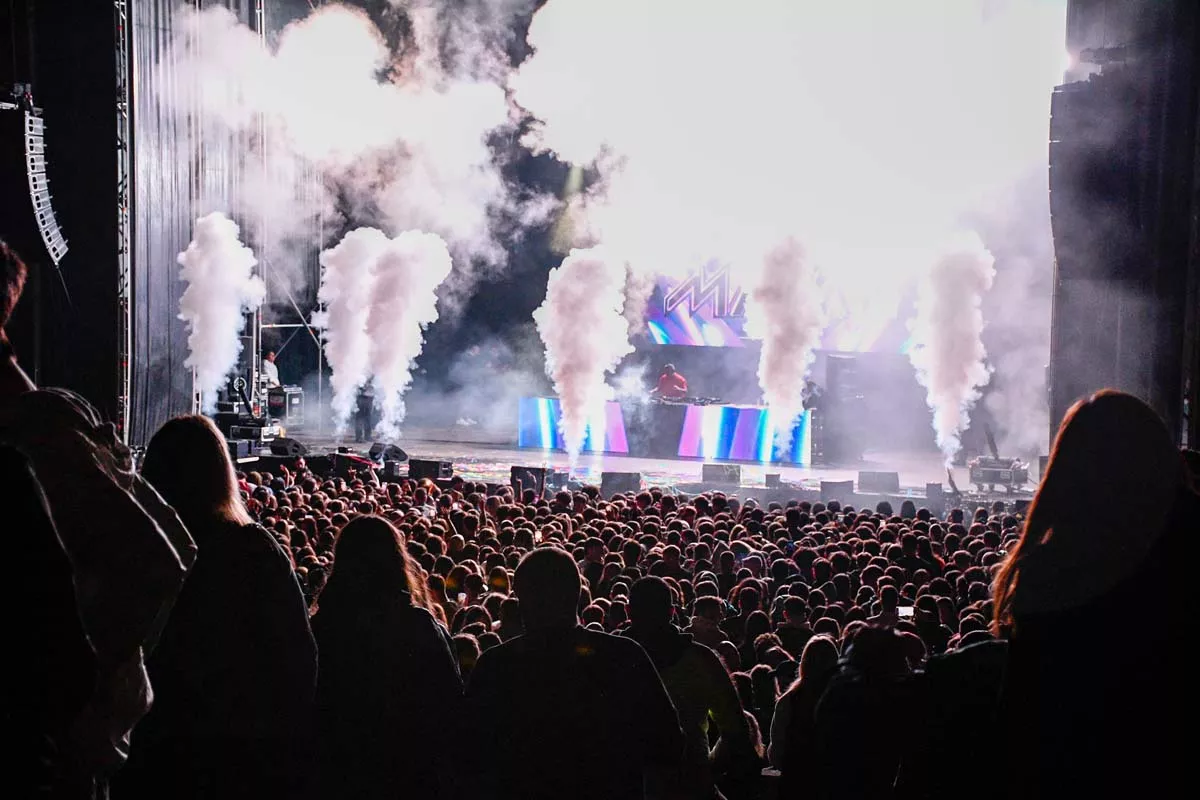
[[489, 460]]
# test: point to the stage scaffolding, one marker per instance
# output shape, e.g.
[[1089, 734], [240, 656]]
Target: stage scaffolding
[[121, 23], [297, 320]]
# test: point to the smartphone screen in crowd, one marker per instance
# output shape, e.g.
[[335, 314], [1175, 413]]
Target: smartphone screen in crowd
[[905, 611]]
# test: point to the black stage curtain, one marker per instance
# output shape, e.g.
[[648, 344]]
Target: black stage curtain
[[65, 330], [184, 167]]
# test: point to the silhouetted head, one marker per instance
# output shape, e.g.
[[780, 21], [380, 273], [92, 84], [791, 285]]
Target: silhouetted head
[[878, 652], [748, 599], [889, 598], [756, 624], [547, 583], [372, 566], [1077, 544], [188, 462], [650, 603], [819, 658], [709, 608]]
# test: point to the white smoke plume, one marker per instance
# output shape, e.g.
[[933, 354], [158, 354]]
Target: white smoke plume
[[947, 346], [1018, 311], [401, 137], [585, 335], [630, 384], [221, 289], [404, 303], [864, 130], [347, 290], [639, 288], [785, 311]]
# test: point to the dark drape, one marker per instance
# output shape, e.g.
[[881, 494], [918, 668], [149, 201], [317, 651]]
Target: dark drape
[[183, 168], [65, 331]]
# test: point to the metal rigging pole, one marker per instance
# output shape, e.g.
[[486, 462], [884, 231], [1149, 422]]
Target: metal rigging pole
[[121, 21], [256, 348]]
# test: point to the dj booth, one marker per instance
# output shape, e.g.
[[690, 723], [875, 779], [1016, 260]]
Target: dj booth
[[689, 430]]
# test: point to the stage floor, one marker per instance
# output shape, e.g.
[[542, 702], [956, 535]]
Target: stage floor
[[490, 461]]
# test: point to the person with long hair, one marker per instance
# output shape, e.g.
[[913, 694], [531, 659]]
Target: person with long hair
[[795, 713], [235, 669], [388, 689], [1091, 600]]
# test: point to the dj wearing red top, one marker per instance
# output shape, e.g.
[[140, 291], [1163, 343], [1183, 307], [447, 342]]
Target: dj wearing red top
[[671, 385]]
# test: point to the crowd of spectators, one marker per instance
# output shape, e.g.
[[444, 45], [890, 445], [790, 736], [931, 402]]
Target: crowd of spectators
[[290, 634]]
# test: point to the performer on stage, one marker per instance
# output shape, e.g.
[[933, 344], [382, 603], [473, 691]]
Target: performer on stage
[[671, 385], [364, 414], [270, 371]]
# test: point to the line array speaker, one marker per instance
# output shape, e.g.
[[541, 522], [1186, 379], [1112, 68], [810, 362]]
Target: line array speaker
[[39, 187]]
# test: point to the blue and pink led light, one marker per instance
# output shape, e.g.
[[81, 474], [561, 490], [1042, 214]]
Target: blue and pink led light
[[713, 433], [539, 428], [743, 433]]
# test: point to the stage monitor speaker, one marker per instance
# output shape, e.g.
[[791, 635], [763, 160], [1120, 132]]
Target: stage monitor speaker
[[612, 483], [433, 470], [878, 482], [721, 474], [522, 478], [774, 480], [836, 490], [283, 446], [239, 449], [392, 472], [386, 452]]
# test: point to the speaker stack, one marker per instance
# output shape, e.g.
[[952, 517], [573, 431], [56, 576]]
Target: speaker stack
[[613, 483], [841, 439], [433, 470]]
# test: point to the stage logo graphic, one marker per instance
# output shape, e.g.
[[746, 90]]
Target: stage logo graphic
[[711, 289], [705, 309]]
